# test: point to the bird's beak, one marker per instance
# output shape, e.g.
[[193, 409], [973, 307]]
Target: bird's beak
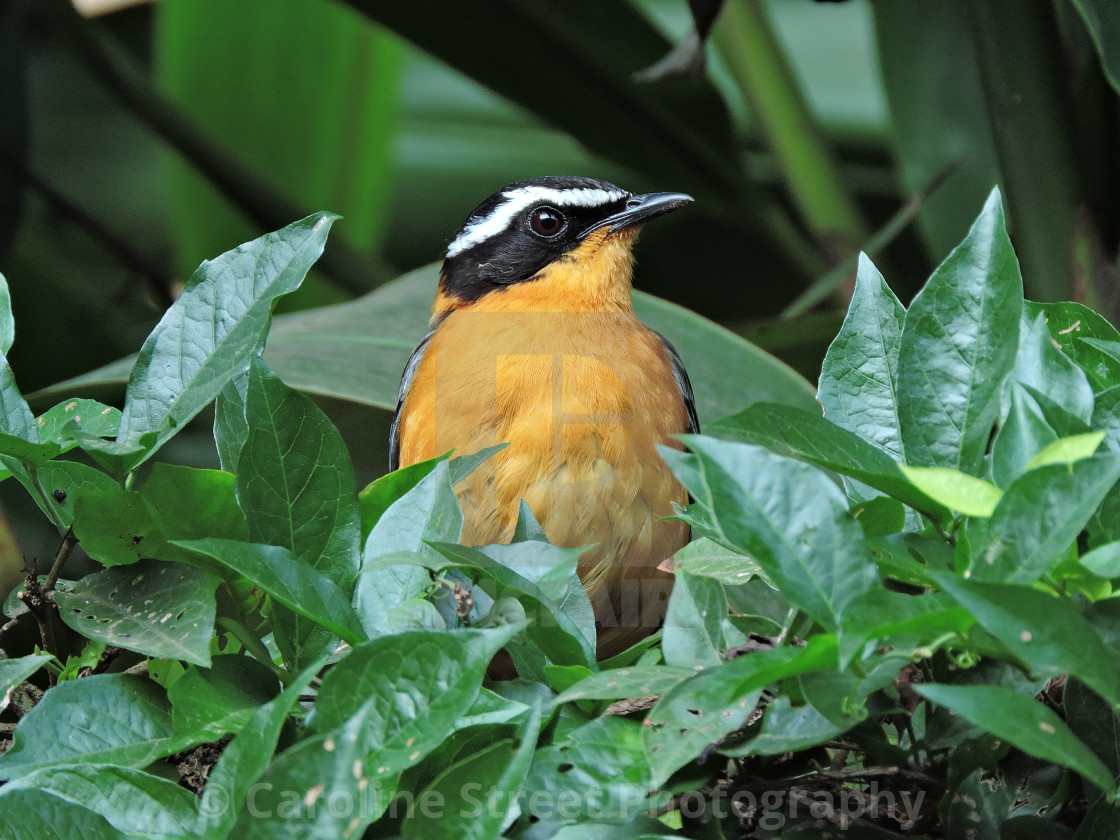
[[640, 209]]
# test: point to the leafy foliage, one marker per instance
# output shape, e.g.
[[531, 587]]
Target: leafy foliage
[[884, 612]]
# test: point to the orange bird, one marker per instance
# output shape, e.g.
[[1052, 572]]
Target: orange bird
[[533, 342]]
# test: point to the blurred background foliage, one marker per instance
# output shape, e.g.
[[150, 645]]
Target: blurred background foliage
[[137, 139]]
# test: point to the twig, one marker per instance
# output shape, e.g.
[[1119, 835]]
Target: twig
[[60, 558]]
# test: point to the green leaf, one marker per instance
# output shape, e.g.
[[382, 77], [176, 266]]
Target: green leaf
[[106, 719], [1039, 517], [337, 766], [544, 575], [787, 516], [117, 526], [858, 385], [1094, 722], [230, 426], [214, 327], [1067, 450], [692, 634], [378, 496], [93, 418], [701, 711], [427, 513], [31, 813], [881, 614], [707, 558], [1103, 561], [233, 778], [1023, 721], [287, 580], [296, 485], [7, 322], [163, 610], [810, 437], [1048, 633], [1068, 323], [635, 681], [1103, 25], [1045, 367], [1021, 436], [74, 480], [1100, 359], [132, 801], [599, 768], [959, 342], [786, 729], [210, 703], [954, 489], [15, 671], [483, 789], [418, 684]]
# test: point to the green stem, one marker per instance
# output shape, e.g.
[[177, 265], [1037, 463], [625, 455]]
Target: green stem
[[254, 195], [762, 73]]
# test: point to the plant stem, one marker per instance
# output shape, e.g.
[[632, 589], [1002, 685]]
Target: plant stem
[[762, 73], [60, 557]]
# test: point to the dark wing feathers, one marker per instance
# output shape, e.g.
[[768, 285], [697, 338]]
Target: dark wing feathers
[[410, 368], [680, 376]]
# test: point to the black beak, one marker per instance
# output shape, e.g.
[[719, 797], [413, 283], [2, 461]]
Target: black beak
[[640, 209]]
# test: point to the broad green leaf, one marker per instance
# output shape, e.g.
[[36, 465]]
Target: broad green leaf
[[15, 671], [954, 489], [132, 801], [939, 120], [786, 729], [176, 503], [164, 610], [959, 341], [106, 719], [7, 323], [296, 485], [90, 416], [65, 482], [882, 614], [702, 710], [1045, 367], [787, 516], [340, 154], [692, 633], [230, 426], [880, 516], [1069, 322], [288, 581], [707, 558], [810, 437], [562, 620], [1067, 450], [418, 685], [1100, 359], [480, 791], [377, 496], [16, 418], [1025, 722], [338, 767], [858, 385], [210, 703], [1104, 26], [1021, 436], [1103, 561], [429, 512], [1039, 517], [32, 813], [214, 327], [245, 758], [1106, 416], [1048, 633], [599, 767], [635, 681]]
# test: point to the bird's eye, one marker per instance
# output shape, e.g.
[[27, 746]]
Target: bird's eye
[[547, 221]]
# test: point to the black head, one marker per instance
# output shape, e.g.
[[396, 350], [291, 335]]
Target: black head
[[524, 227]]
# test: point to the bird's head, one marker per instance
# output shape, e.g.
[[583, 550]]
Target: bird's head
[[548, 244]]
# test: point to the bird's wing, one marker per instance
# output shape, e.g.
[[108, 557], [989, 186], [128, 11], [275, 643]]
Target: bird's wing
[[410, 368], [680, 376]]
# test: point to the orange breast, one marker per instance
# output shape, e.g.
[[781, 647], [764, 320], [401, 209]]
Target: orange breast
[[582, 397]]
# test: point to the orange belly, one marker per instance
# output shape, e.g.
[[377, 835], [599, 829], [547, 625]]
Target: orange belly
[[582, 398]]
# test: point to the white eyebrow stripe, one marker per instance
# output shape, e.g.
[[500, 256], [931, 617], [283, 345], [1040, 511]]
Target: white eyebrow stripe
[[517, 201]]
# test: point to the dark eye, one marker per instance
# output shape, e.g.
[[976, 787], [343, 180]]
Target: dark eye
[[547, 221]]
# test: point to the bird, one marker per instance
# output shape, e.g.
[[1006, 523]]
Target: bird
[[533, 342]]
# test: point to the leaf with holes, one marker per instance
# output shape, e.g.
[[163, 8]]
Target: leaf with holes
[[160, 609]]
